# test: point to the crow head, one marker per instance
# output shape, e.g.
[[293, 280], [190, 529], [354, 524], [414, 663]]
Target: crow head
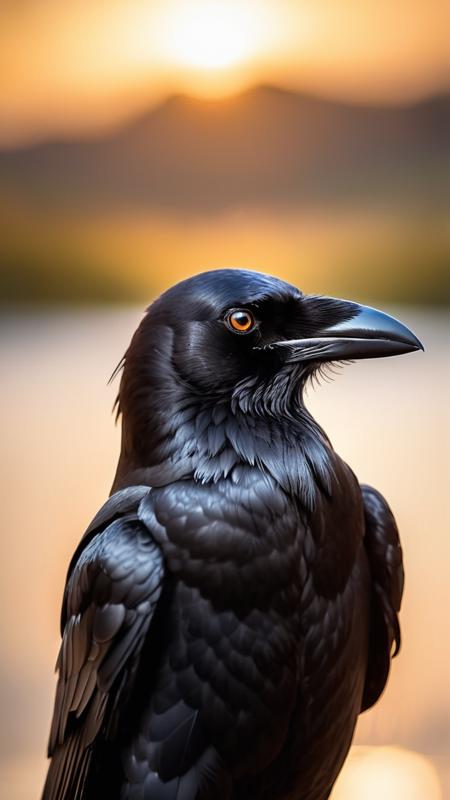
[[226, 326], [243, 340]]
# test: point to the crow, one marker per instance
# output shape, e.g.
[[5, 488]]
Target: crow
[[233, 607]]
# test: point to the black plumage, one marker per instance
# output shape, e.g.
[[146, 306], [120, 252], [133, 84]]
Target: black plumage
[[233, 606]]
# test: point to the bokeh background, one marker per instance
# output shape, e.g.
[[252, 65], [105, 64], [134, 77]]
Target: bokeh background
[[144, 140]]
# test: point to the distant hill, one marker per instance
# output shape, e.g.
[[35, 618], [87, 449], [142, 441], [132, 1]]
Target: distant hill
[[266, 147]]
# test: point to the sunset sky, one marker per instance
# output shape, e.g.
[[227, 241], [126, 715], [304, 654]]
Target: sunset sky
[[80, 64]]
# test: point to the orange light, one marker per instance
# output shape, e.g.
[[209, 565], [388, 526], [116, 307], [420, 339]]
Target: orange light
[[391, 773]]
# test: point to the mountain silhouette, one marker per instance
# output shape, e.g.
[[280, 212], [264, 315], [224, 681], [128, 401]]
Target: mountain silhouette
[[266, 147]]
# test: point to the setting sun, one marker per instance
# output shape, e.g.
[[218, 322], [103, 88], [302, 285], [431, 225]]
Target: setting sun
[[214, 34]]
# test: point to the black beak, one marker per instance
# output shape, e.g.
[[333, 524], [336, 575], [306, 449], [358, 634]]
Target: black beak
[[362, 332]]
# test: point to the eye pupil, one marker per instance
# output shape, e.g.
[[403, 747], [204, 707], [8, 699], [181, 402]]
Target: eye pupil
[[241, 321]]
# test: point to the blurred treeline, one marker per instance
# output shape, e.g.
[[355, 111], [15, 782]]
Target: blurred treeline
[[338, 198]]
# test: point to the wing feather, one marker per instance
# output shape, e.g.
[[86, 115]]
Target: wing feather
[[111, 594], [384, 552]]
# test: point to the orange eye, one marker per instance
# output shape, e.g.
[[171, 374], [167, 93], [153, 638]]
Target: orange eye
[[241, 320]]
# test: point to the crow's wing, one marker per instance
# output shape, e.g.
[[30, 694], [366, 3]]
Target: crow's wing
[[112, 590], [384, 552]]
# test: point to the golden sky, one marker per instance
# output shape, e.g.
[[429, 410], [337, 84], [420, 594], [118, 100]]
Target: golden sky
[[68, 64]]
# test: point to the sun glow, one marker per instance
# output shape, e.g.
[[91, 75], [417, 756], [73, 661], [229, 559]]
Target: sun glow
[[215, 34], [390, 773]]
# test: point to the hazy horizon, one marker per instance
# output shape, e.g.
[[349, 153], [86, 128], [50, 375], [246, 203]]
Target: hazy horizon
[[336, 198], [125, 115]]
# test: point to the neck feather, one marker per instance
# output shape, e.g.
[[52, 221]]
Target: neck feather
[[171, 433]]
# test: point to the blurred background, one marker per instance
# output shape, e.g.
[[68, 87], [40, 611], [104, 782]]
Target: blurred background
[[144, 140]]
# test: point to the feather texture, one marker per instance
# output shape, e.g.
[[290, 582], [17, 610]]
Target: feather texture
[[110, 599]]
